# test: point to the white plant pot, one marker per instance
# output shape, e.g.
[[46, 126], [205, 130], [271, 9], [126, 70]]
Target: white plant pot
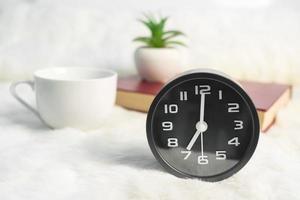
[[158, 64]]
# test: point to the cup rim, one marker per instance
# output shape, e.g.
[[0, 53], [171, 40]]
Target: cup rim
[[110, 74]]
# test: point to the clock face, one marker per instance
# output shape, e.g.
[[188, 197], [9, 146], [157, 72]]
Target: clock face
[[202, 125]]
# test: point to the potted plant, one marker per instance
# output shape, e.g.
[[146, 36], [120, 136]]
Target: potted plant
[[158, 60]]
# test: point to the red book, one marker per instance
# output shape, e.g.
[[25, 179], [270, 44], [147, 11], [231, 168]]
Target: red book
[[137, 94]]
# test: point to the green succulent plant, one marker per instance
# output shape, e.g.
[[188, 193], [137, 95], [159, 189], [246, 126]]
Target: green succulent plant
[[159, 37]]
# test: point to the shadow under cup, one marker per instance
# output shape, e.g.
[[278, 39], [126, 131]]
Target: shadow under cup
[[74, 97]]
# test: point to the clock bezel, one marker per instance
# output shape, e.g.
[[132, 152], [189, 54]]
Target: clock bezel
[[214, 76]]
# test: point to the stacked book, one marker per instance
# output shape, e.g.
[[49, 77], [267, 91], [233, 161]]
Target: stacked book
[[137, 94]]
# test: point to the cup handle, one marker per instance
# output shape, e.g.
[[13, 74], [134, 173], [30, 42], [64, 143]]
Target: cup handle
[[13, 91]]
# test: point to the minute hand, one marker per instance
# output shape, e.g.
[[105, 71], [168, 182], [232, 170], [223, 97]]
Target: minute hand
[[202, 108]]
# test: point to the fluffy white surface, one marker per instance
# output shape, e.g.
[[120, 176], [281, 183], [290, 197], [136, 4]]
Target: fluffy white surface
[[115, 161], [250, 39]]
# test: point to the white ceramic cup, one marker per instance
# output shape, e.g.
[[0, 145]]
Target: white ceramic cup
[[71, 96]]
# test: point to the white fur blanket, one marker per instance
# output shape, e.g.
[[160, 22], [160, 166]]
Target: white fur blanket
[[115, 161]]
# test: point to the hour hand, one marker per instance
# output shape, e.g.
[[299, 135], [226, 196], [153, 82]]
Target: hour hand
[[193, 140]]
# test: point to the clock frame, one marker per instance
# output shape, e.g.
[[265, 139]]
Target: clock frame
[[180, 91]]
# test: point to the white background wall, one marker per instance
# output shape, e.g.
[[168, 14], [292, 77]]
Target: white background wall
[[251, 39]]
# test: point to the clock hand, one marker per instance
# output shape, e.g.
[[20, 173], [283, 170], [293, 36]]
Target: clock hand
[[193, 140], [202, 101], [201, 138], [201, 126], [202, 119]]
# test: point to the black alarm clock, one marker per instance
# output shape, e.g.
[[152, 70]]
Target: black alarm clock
[[202, 124]]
